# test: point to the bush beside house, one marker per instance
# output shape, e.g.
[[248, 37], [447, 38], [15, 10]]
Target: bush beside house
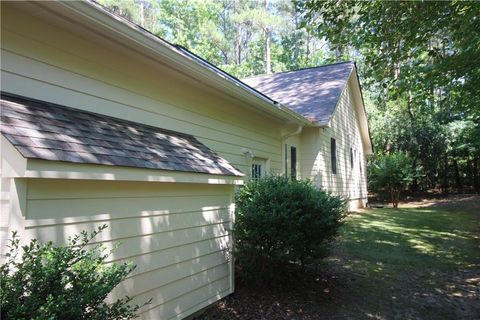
[[279, 220], [65, 282]]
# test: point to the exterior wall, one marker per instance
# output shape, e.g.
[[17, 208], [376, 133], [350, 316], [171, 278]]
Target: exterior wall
[[176, 234], [348, 182], [77, 68]]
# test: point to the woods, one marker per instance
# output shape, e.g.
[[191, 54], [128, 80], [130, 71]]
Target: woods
[[418, 62]]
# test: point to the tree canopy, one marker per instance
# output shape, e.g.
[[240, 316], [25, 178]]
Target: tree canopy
[[418, 62]]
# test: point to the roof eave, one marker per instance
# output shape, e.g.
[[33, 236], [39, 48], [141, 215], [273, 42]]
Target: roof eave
[[364, 118], [200, 69]]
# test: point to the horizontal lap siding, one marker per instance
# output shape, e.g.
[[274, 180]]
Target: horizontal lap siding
[[176, 234], [348, 182], [79, 70]]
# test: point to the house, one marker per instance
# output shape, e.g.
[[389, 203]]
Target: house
[[105, 123], [331, 152]]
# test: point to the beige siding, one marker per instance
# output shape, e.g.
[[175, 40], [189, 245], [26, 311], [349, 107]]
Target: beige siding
[[176, 234], [348, 182], [76, 69]]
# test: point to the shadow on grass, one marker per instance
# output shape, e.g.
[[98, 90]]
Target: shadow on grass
[[408, 263], [414, 237]]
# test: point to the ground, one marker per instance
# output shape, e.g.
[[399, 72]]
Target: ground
[[421, 261]]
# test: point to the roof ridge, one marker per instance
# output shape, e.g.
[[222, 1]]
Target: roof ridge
[[301, 69]]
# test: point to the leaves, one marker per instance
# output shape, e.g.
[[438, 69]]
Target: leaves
[[279, 220], [65, 282], [391, 173]]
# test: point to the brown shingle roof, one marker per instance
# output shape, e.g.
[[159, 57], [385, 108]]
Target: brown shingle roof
[[312, 92], [47, 131]]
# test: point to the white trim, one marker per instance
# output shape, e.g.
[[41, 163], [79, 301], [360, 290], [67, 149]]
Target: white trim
[[81, 171]]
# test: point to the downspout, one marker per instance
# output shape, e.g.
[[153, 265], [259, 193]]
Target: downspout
[[284, 140]]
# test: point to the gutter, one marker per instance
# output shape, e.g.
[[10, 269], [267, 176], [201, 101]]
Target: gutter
[[200, 68]]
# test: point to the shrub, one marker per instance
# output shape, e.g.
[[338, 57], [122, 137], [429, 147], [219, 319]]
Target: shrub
[[65, 282], [391, 173], [279, 220]]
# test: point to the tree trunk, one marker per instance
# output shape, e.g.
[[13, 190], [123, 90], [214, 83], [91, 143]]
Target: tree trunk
[[458, 181], [445, 175], [142, 15], [476, 175], [338, 54], [296, 49], [395, 197], [268, 62]]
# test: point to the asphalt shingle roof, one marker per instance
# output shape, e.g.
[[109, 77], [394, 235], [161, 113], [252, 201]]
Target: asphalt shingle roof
[[312, 92], [47, 131]]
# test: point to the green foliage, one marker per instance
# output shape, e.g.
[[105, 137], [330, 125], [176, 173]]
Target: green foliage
[[391, 173], [419, 64], [65, 282], [279, 220]]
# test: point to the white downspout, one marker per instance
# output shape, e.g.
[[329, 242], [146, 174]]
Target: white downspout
[[284, 140]]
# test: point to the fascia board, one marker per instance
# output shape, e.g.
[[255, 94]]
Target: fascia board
[[80, 171]]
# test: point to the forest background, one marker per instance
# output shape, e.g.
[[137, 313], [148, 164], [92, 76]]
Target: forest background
[[419, 64]]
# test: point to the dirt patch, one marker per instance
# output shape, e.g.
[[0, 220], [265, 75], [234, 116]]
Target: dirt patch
[[338, 293], [469, 203]]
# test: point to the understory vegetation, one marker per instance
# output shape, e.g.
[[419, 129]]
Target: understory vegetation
[[279, 221], [390, 174], [43, 281]]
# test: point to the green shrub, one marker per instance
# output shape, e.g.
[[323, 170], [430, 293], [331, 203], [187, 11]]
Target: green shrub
[[391, 173], [279, 220], [65, 282]]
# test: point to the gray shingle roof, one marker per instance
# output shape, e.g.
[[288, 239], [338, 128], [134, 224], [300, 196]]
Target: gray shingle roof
[[312, 92], [42, 130]]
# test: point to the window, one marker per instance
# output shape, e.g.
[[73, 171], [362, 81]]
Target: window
[[333, 155], [351, 158], [259, 167], [256, 170], [293, 163]]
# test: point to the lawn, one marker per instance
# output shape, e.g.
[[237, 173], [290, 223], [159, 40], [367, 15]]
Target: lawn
[[407, 263]]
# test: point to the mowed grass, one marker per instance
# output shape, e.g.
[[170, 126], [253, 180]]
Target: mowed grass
[[408, 263], [412, 263], [411, 238]]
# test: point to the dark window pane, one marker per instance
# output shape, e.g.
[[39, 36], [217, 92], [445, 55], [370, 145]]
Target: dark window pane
[[351, 158], [333, 155], [293, 163]]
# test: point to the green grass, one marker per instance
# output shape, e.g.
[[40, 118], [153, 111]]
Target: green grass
[[412, 238], [425, 258], [415, 263]]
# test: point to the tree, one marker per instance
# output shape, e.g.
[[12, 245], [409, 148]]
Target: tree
[[420, 59], [391, 173]]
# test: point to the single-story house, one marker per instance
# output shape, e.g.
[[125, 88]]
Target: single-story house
[[105, 123]]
